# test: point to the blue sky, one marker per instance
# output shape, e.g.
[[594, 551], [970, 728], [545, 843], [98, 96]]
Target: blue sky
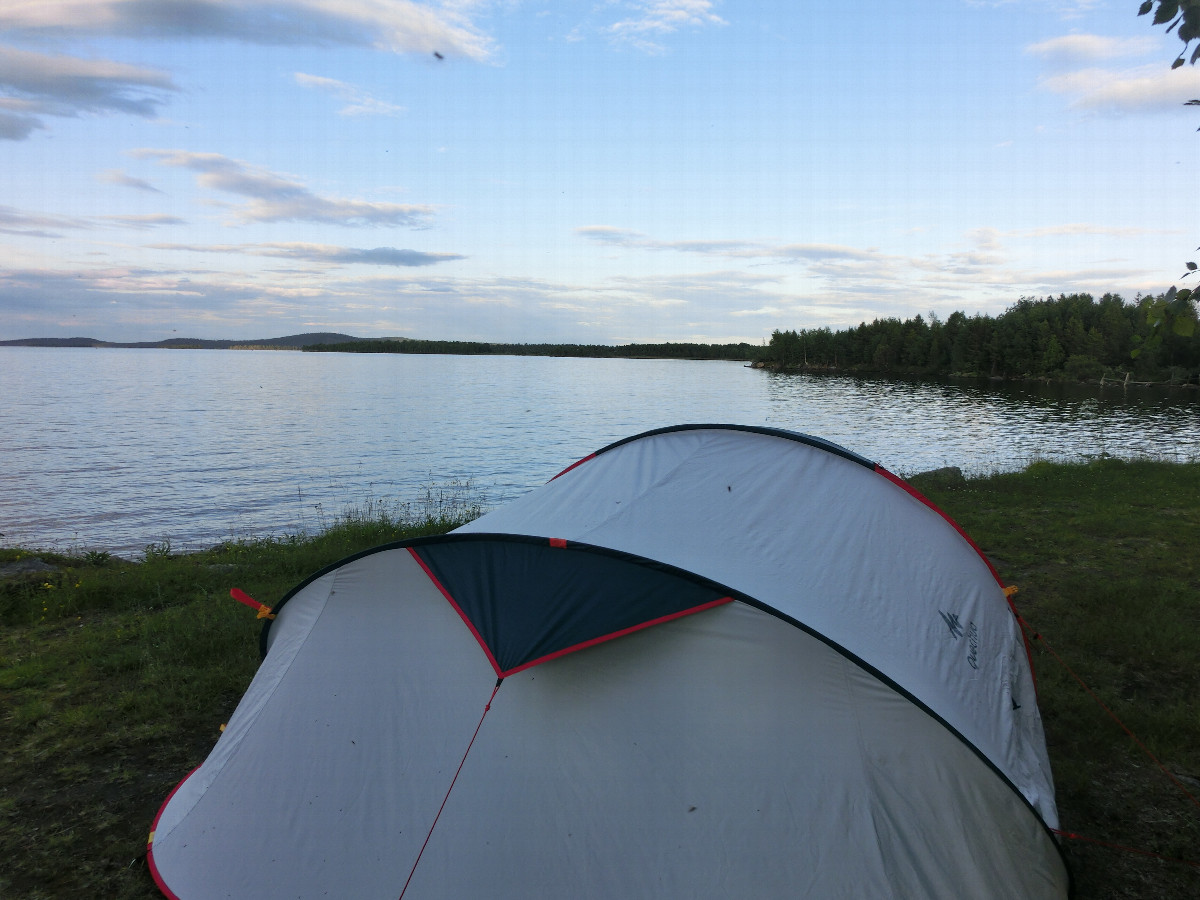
[[585, 172]]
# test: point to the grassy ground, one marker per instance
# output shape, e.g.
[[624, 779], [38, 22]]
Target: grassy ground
[[115, 676], [1106, 557]]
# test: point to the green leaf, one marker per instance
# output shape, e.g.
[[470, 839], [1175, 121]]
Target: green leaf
[[1191, 266], [1136, 352], [1184, 327], [1166, 11], [1177, 63], [1146, 7]]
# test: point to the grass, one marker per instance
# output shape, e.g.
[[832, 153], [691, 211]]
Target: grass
[[115, 675], [1106, 556]]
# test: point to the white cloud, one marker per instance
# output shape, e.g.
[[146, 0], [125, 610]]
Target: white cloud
[[984, 238], [273, 198], [607, 234], [324, 253], [733, 249], [116, 176], [1091, 48], [774, 312], [14, 221], [143, 222], [398, 26], [1154, 87], [33, 85], [358, 102], [648, 20], [1077, 228], [666, 16]]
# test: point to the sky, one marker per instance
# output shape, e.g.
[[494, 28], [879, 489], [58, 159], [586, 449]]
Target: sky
[[611, 171]]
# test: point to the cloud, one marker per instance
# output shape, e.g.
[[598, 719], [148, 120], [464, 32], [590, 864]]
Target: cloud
[[143, 222], [1154, 87], [132, 302], [606, 234], [396, 26], [15, 123], [984, 238], [377, 256], [621, 237], [358, 101], [273, 198], [13, 221], [1076, 228], [33, 85], [664, 17], [116, 176], [1090, 48], [646, 21]]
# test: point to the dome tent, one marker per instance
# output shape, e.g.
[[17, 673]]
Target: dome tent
[[706, 661]]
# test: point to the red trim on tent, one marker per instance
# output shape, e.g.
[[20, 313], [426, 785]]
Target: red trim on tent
[[558, 542], [573, 465], [154, 873], [900, 482], [458, 609], [616, 634], [908, 488]]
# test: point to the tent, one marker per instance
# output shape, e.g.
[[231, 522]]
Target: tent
[[706, 661]]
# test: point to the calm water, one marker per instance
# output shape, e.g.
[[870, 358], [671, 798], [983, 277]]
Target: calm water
[[114, 449]]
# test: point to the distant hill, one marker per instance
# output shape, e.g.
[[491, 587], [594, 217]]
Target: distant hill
[[289, 342]]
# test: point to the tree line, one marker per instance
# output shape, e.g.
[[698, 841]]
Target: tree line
[[1073, 337], [1069, 337], [742, 351]]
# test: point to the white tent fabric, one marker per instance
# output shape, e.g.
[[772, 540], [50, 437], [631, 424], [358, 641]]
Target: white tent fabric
[[721, 750], [829, 541]]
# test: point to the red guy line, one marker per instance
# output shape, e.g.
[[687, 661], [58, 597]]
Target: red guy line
[[1081, 837], [1114, 717], [461, 763]]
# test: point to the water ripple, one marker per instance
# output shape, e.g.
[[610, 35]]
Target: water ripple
[[113, 449]]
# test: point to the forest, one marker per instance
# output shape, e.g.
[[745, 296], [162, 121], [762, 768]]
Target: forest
[[1152, 339], [1070, 337], [603, 351]]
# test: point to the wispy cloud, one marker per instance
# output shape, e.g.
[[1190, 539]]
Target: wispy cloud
[[14, 221], [143, 223], [1072, 48], [621, 237], [358, 102], [1148, 88], [1084, 68], [644, 23], [715, 305], [274, 198], [34, 85], [16, 123], [377, 256], [397, 26], [1078, 228], [116, 176]]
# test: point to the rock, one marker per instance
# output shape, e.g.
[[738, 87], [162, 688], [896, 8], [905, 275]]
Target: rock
[[29, 566]]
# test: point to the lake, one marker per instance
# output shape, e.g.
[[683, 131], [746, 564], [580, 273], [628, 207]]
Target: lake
[[114, 449]]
